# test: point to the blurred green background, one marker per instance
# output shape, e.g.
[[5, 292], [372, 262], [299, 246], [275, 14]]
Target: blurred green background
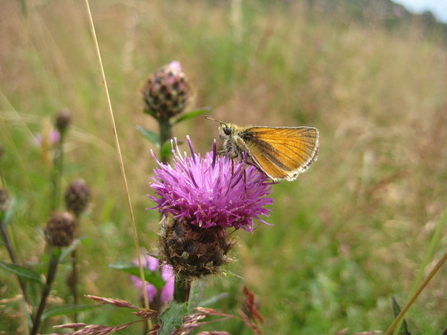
[[348, 235]]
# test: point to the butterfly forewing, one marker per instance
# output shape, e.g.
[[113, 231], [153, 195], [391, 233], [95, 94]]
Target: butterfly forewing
[[283, 153]]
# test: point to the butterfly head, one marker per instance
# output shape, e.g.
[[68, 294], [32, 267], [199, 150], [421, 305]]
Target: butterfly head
[[225, 129]]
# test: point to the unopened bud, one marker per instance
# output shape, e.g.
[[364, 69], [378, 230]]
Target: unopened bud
[[61, 229]]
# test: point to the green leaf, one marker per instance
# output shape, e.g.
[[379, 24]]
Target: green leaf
[[171, 318], [152, 277], [22, 272], [6, 217], [214, 299], [166, 149], [195, 294], [152, 136], [396, 311], [68, 250], [231, 274], [192, 114], [66, 310]]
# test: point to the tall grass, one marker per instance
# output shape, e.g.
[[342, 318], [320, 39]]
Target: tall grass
[[348, 235]]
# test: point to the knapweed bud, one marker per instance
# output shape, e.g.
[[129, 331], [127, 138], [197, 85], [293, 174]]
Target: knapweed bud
[[167, 92], [194, 251], [63, 120], [77, 196], [61, 229]]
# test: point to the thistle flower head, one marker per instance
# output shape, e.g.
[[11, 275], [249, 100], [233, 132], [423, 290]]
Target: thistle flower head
[[212, 191], [167, 292]]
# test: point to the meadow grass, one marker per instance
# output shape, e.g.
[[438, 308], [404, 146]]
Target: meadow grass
[[348, 235]]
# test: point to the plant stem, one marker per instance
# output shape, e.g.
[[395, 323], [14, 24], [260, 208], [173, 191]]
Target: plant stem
[[416, 294], [75, 281], [182, 287], [13, 256], [165, 135], [52, 269], [56, 174]]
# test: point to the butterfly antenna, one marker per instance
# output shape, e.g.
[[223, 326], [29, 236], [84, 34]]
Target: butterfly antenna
[[211, 119]]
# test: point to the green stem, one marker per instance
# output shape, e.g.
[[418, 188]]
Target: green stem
[[56, 175], [75, 281], [165, 135], [52, 269], [13, 256], [182, 287]]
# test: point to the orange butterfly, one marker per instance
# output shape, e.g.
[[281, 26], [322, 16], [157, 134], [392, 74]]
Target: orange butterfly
[[281, 152]]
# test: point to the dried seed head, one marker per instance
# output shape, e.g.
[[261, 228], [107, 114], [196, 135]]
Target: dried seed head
[[194, 251], [167, 92], [61, 229], [63, 120], [77, 196]]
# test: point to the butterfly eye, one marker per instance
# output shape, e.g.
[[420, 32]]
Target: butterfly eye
[[227, 130]]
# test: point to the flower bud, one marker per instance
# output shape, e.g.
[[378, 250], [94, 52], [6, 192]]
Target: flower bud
[[63, 120], [77, 196], [194, 251], [61, 229], [167, 92]]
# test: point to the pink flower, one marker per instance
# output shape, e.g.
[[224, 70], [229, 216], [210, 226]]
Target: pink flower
[[211, 191], [167, 292], [53, 138]]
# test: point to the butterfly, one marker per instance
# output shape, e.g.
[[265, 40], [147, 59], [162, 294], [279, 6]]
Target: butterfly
[[280, 152]]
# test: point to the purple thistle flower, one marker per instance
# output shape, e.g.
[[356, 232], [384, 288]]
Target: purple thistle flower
[[167, 292], [211, 191]]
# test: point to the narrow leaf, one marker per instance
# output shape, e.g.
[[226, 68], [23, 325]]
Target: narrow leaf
[[6, 217], [68, 250], [195, 294], [192, 114], [22, 272], [214, 299], [171, 318], [166, 149], [396, 311], [152, 277], [66, 310], [152, 136]]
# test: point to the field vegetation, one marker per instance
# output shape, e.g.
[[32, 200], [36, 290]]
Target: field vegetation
[[347, 236]]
